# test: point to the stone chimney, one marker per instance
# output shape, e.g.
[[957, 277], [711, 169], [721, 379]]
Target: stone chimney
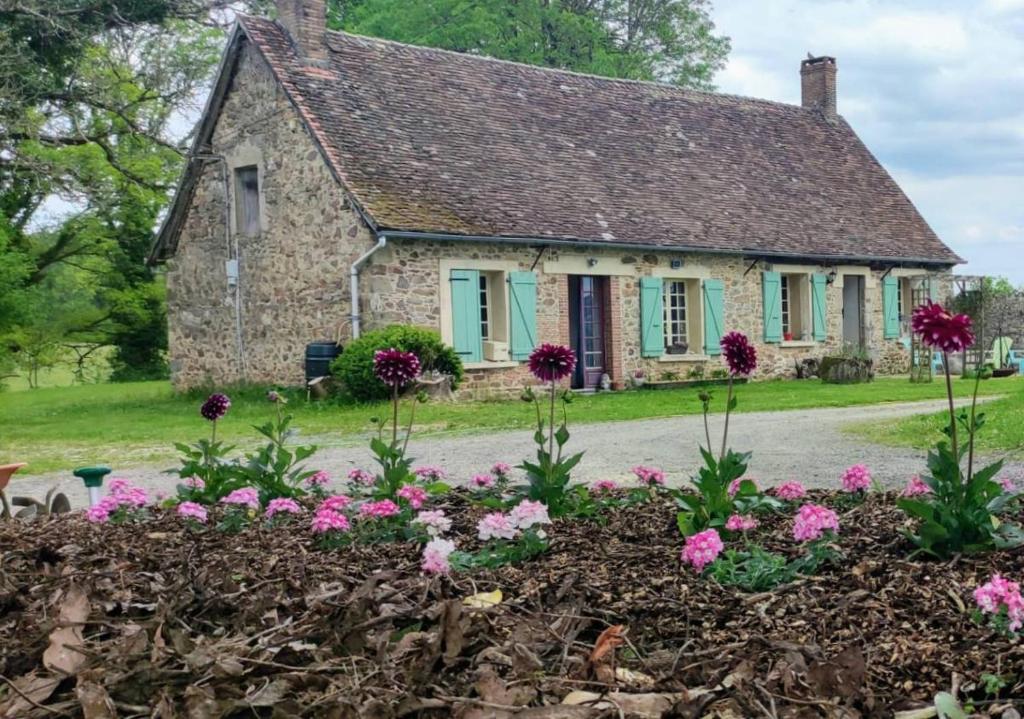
[[306, 23], [818, 84]]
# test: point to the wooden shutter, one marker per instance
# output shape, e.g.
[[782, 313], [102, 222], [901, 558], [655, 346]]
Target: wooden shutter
[[714, 316], [522, 291], [890, 308], [652, 317], [819, 318], [466, 335], [771, 285]]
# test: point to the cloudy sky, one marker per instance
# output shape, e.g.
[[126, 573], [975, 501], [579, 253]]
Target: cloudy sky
[[935, 88]]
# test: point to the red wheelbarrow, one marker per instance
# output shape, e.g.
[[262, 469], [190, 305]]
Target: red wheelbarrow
[[55, 503]]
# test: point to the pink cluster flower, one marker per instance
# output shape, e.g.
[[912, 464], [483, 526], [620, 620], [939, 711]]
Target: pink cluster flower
[[500, 469], [246, 497], [101, 511], [435, 556], [434, 521], [740, 523], [605, 485], [496, 526], [734, 486], [282, 505], [381, 509], [195, 483], [856, 479], [122, 494], [527, 513], [916, 487], [327, 520], [1008, 484], [812, 521], [361, 476], [414, 495], [649, 476], [998, 593], [193, 511], [702, 549], [430, 474], [335, 503], [482, 481], [790, 491], [318, 479]]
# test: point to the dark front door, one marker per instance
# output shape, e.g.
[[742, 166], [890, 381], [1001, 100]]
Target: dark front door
[[586, 329]]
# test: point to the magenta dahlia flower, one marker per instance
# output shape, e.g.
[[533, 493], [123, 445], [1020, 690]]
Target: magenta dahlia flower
[[215, 406], [395, 368], [941, 329], [550, 363], [740, 355]]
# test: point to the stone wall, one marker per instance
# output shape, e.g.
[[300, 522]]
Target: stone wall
[[293, 285]]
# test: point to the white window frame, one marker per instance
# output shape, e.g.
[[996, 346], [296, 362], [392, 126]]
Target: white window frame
[[485, 305], [673, 325], [497, 346], [784, 303]]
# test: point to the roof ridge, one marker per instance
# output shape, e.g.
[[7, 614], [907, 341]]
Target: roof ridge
[[693, 93]]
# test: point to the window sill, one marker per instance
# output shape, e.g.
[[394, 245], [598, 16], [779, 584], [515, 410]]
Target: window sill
[[798, 343], [502, 364], [684, 358]]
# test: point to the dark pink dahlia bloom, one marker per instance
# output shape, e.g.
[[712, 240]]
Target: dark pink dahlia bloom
[[395, 368], [550, 363], [941, 329], [215, 406], [740, 355]]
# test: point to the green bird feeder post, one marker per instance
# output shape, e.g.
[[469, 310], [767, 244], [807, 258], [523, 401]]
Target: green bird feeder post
[[93, 478]]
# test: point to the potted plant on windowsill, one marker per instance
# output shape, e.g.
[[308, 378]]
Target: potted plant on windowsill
[[678, 348], [787, 336]]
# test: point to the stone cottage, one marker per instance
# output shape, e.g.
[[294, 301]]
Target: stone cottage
[[339, 183]]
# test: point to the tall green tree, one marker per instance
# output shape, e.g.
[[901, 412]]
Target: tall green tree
[[667, 40]]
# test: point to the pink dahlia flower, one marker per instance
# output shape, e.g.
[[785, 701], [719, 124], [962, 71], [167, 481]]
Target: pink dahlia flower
[[941, 329], [740, 523], [916, 487], [383, 508], [740, 355], [435, 556], [790, 491], [246, 496], [326, 520], [702, 549], [495, 526], [282, 505], [812, 521], [215, 406], [550, 363], [193, 511], [415, 496], [856, 479], [395, 368], [649, 476], [998, 594]]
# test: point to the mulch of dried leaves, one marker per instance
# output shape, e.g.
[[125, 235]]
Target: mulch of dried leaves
[[155, 620]]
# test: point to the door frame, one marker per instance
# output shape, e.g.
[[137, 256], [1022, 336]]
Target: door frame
[[854, 284], [601, 292]]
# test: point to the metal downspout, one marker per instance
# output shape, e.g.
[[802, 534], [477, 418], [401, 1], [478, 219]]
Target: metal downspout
[[382, 242]]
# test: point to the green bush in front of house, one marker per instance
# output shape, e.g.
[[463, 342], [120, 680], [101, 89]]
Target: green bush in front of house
[[354, 366]]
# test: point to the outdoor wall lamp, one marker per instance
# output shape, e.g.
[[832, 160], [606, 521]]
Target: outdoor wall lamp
[[591, 262], [830, 278]]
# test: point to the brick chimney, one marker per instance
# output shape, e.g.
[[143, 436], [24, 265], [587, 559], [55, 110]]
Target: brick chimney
[[306, 23], [818, 84]]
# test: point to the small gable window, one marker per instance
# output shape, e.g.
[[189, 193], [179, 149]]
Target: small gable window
[[247, 201]]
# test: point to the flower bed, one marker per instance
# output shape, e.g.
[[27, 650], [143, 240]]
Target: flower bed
[[197, 617]]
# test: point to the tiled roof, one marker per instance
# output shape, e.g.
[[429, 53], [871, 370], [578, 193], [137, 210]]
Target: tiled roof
[[435, 141]]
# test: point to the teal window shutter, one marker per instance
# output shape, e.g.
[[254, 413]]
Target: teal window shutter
[[771, 285], [522, 290], [466, 334], [652, 318], [714, 316], [819, 318], [890, 308]]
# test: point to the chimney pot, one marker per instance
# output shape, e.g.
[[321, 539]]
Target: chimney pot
[[306, 23], [818, 84]]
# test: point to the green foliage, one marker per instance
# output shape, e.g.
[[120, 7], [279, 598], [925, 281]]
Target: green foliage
[[207, 460], [354, 366], [276, 469], [498, 552], [667, 40], [758, 570], [549, 476], [712, 505]]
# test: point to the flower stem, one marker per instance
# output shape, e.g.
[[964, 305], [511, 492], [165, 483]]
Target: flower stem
[[725, 432], [408, 430], [972, 428], [952, 411], [551, 428], [394, 414], [213, 431], [707, 429]]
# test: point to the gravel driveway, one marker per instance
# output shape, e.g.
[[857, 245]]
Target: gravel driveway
[[798, 444]]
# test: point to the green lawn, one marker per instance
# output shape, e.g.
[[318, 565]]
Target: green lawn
[[55, 429], [1003, 430]]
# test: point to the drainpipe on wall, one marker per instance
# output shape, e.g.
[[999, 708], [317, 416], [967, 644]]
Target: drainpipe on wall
[[231, 248], [382, 241]]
